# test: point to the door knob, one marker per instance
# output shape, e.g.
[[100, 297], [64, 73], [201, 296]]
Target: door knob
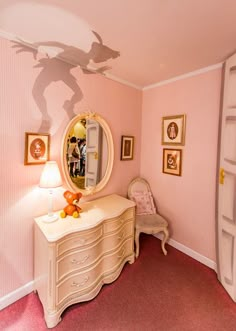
[[222, 176]]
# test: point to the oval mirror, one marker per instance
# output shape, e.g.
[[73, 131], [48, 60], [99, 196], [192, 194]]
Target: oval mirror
[[87, 153]]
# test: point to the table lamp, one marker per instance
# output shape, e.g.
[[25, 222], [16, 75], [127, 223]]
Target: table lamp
[[50, 179]]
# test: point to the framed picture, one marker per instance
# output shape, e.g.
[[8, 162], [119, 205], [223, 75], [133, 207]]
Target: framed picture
[[36, 148], [127, 148], [172, 161], [173, 130]]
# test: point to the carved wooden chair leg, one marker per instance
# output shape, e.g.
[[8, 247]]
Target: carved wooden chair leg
[[137, 233], [165, 237]]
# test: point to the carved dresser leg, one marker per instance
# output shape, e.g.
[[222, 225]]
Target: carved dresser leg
[[52, 319], [132, 259]]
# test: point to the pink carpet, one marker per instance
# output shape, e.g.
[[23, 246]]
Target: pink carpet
[[157, 292]]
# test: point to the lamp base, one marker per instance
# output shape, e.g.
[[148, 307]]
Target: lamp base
[[50, 218]]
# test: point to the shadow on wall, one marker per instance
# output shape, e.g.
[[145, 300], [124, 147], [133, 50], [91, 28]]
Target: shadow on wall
[[52, 71]]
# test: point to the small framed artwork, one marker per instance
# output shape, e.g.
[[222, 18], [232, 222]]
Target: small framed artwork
[[173, 130], [127, 148], [37, 147], [172, 161]]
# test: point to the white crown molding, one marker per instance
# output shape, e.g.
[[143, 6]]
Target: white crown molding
[[188, 251], [16, 295], [7, 35], [122, 81], [184, 76]]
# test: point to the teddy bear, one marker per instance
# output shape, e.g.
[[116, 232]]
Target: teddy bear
[[72, 209]]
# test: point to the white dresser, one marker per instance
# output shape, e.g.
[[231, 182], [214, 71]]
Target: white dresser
[[74, 257]]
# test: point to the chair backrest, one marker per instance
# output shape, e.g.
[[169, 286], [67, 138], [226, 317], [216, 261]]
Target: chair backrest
[[140, 192], [138, 185]]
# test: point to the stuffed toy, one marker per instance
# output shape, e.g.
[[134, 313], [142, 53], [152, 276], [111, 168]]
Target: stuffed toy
[[72, 209]]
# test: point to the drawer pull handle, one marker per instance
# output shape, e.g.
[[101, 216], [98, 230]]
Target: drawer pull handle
[[74, 284], [122, 254], [121, 236], [74, 261], [80, 241]]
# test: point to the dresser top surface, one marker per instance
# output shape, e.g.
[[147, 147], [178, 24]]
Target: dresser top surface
[[93, 213]]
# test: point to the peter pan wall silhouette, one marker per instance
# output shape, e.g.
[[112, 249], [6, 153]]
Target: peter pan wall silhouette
[[53, 71]]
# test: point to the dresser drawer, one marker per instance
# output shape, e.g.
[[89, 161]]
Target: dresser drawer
[[113, 240], [115, 223], [84, 282], [81, 258], [78, 259], [81, 239]]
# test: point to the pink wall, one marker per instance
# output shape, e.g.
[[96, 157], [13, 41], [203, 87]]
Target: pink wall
[[188, 201], [20, 197]]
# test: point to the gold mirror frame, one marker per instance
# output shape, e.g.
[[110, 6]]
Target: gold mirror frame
[[110, 148]]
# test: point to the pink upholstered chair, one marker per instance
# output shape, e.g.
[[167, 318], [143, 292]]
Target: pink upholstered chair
[[147, 219]]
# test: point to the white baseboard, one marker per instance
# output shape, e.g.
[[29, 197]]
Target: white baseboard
[[188, 251], [16, 295]]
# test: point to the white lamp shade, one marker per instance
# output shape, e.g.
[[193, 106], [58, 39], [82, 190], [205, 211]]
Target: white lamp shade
[[50, 177]]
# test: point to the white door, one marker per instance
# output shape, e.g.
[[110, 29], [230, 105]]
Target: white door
[[93, 146], [226, 209]]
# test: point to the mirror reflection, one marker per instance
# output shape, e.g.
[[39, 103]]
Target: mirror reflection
[[87, 153]]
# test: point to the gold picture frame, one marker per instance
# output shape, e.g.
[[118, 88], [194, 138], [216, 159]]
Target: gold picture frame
[[172, 161], [173, 130], [127, 148], [37, 148]]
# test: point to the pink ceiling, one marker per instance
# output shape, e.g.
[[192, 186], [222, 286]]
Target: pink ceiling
[[157, 39]]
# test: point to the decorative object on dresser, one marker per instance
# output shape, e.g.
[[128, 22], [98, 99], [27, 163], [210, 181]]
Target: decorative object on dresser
[[147, 219], [74, 258], [172, 161], [50, 179], [73, 208], [36, 148], [173, 130], [127, 148]]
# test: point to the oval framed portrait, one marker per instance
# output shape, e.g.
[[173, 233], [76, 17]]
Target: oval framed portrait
[[36, 148]]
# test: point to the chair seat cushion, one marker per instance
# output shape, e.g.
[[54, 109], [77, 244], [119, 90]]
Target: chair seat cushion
[[150, 221]]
